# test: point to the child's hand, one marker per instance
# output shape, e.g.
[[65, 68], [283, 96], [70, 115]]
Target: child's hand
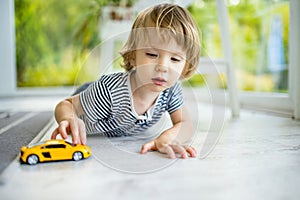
[[75, 127], [163, 145]]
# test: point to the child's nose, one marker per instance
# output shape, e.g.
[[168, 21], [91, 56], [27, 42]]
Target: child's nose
[[161, 68], [162, 65]]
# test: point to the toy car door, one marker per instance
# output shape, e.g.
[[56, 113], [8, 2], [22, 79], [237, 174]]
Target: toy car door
[[57, 151]]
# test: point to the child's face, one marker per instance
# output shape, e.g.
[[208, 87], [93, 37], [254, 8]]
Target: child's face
[[159, 64]]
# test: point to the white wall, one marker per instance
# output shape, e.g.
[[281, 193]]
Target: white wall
[[7, 48]]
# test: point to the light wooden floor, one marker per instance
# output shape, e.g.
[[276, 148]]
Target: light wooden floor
[[256, 156]]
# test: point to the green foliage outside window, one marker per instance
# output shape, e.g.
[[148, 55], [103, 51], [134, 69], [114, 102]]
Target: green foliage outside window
[[53, 38], [250, 29]]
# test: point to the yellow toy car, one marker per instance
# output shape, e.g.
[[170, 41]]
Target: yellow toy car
[[53, 150]]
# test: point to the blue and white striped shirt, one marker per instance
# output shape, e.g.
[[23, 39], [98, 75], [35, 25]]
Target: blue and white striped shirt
[[108, 107]]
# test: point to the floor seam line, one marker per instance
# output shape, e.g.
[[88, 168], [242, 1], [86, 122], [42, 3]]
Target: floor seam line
[[17, 122]]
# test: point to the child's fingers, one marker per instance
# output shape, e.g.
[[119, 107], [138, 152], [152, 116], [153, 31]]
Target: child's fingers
[[77, 130], [62, 129], [55, 133], [180, 149], [149, 146], [192, 151], [74, 132], [168, 150], [82, 132]]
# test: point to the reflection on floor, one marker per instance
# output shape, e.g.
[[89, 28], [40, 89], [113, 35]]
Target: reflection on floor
[[256, 156]]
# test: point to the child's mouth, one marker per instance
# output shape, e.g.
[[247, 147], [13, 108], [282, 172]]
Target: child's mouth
[[159, 81]]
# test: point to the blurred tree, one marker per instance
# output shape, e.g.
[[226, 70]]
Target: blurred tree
[[249, 25], [30, 41], [49, 32]]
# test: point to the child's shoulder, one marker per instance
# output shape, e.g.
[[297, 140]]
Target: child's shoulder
[[113, 76], [114, 79]]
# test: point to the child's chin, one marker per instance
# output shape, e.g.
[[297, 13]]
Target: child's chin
[[159, 88]]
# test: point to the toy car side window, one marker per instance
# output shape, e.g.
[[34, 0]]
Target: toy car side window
[[55, 146], [61, 146]]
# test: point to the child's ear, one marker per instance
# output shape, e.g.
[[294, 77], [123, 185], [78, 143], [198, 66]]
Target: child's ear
[[132, 60]]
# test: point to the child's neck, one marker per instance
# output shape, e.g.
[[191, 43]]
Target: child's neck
[[142, 97], [143, 102]]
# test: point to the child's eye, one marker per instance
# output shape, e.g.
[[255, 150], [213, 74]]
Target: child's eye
[[152, 55], [175, 59]]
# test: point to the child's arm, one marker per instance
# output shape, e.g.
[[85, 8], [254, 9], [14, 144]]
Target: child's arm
[[66, 114], [175, 139]]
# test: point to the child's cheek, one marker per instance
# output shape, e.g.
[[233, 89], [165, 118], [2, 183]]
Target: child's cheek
[[175, 75]]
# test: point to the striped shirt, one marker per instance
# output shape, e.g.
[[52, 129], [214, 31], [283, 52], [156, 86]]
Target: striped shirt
[[109, 110]]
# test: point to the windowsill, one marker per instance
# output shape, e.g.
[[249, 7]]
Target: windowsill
[[42, 91], [275, 103]]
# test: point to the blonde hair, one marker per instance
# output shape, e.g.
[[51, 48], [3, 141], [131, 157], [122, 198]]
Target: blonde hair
[[167, 20]]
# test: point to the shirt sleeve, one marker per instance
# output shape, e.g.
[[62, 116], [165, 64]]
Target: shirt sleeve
[[96, 101], [175, 100]]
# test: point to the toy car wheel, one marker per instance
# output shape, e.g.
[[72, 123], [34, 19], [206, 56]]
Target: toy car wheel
[[32, 159], [77, 156]]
